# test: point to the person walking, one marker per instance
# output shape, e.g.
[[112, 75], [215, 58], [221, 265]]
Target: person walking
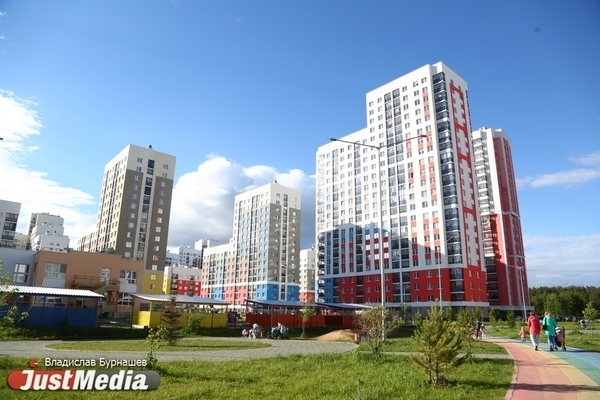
[[549, 327], [533, 324], [522, 334]]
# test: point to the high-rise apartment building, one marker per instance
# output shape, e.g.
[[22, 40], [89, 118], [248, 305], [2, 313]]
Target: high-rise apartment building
[[307, 274], [261, 262], [9, 216], [400, 194], [134, 211], [501, 223], [46, 232]]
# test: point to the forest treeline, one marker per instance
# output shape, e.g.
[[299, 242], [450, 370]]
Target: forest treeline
[[564, 301]]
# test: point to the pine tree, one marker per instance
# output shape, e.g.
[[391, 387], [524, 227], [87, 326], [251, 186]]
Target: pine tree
[[438, 345], [510, 319], [493, 318], [170, 330], [464, 326]]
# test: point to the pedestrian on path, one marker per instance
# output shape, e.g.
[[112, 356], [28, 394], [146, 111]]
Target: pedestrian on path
[[549, 326], [522, 334], [533, 323]]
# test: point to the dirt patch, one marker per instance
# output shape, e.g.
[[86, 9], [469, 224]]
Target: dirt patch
[[343, 335]]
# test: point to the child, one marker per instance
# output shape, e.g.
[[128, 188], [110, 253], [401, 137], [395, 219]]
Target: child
[[245, 333], [522, 334]]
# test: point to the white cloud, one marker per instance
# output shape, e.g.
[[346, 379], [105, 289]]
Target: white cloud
[[568, 260], [569, 178], [203, 200], [2, 37], [19, 123], [592, 159]]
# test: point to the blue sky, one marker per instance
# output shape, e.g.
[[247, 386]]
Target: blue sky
[[244, 92]]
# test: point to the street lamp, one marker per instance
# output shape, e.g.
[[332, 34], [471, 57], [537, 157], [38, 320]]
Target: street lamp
[[381, 234]]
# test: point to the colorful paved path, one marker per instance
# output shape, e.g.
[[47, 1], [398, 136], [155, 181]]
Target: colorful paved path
[[541, 375]]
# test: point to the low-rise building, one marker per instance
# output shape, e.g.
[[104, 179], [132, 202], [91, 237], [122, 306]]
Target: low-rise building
[[109, 274]]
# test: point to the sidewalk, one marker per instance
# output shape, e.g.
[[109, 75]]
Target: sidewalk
[[543, 375]]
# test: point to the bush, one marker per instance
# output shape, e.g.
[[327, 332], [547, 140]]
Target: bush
[[193, 326]]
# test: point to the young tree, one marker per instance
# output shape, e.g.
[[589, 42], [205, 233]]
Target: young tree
[[510, 319], [406, 309], [464, 327], [307, 313], [449, 313], [170, 321], [13, 317], [590, 313], [369, 323], [493, 318], [478, 314], [438, 345]]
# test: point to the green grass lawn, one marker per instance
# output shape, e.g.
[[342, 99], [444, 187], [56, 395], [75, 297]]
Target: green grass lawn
[[141, 345], [408, 345], [320, 377]]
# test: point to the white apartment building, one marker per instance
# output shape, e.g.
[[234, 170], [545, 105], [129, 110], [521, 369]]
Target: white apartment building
[[9, 216], [46, 232], [400, 194], [307, 274], [134, 211], [262, 260]]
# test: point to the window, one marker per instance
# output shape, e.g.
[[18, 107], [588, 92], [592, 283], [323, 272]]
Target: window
[[55, 271], [165, 166], [159, 211], [158, 229], [159, 220], [125, 299], [157, 238], [21, 273], [128, 276]]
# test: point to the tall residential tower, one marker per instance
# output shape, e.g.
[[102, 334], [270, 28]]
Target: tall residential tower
[[262, 260], [134, 211], [401, 194], [501, 222]]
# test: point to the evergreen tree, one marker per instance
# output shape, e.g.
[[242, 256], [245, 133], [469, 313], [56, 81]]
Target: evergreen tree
[[464, 326], [478, 314], [438, 345], [449, 313], [170, 316], [510, 319], [493, 318]]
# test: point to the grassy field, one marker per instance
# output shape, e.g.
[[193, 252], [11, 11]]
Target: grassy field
[[322, 377], [408, 345], [141, 345]]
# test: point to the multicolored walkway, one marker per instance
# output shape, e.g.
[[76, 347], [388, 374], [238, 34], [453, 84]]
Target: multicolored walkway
[[541, 375]]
